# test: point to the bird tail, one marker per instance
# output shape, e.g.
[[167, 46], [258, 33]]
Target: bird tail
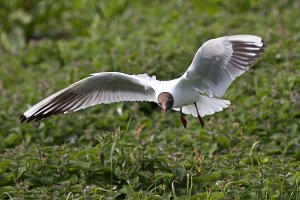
[[206, 106]]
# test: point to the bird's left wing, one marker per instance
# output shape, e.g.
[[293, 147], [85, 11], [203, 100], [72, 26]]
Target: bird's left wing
[[219, 61], [106, 87]]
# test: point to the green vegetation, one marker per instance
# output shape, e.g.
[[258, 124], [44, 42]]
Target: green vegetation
[[249, 151]]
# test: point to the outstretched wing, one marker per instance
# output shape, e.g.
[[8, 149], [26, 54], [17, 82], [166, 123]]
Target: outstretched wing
[[106, 87], [219, 61]]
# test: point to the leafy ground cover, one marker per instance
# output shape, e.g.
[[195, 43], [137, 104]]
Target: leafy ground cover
[[131, 150]]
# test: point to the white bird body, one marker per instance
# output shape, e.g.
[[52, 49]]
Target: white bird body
[[198, 91], [179, 89]]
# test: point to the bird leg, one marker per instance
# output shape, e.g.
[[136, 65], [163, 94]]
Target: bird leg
[[199, 117], [183, 121]]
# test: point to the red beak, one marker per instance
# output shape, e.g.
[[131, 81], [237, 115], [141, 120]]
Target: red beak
[[164, 109]]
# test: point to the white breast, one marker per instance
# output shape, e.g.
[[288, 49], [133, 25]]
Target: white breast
[[183, 94]]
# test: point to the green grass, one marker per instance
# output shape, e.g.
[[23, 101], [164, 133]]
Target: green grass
[[249, 151]]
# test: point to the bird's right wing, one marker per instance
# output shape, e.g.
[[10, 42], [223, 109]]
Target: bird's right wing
[[106, 87], [219, 61]]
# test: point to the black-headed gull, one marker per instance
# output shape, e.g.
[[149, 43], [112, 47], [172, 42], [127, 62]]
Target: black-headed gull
[[198, 91]]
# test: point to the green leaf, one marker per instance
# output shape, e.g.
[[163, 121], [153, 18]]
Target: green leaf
[[223, 141], [21, 16]]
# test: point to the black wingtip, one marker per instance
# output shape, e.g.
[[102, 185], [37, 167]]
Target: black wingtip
[[35, 118], [22, 118]]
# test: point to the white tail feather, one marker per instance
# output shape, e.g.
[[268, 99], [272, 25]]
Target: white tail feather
[[206, 106]]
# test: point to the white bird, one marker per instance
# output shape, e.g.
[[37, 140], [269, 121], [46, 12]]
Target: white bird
[[197, 92]]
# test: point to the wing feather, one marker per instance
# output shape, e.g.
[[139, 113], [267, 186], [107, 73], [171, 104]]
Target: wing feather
[[99, 88], [219, 61]]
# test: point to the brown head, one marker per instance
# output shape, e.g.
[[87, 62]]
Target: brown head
[[165, 101]]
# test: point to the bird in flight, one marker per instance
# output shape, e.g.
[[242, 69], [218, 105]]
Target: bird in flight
[[197, 92]]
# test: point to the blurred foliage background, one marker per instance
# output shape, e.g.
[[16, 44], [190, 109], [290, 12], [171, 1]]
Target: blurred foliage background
[[130, 150]]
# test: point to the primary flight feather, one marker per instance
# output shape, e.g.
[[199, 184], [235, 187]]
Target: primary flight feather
[[197, 92]]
